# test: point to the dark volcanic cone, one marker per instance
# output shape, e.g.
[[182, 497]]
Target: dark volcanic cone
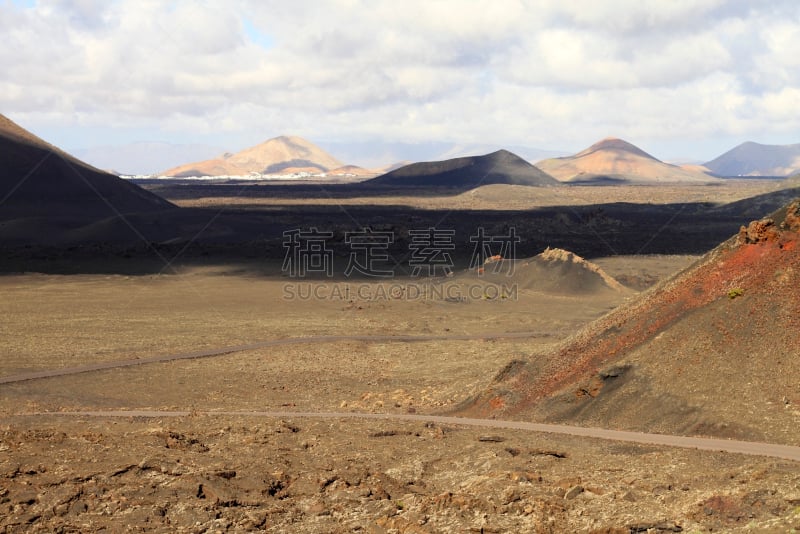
[[501, 167], [38, 179]]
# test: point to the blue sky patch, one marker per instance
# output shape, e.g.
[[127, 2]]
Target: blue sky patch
[[256, 36]]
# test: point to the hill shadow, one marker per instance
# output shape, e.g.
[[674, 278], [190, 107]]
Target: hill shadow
[[144, 243], [178, 189]]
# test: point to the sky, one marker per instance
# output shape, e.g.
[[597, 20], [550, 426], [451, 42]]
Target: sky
[[681, 79]]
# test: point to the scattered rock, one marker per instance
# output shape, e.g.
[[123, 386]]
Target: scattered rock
[[176, 440], [25, 496], [547, 452], [662, 489], [317, 507], [569, 482], [78, 507], [58, 498], [510, 495], [758, 231], [122, 470], [595, 490], [286, 425], [227, 474], [793, 498], [390, 433], [573, 492], [379, 493], [524, 476], [611, 530], [792, 220], [217, 492], [664, 526]]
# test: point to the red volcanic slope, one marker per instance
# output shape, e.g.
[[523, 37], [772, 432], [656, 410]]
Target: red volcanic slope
[[762, 262]]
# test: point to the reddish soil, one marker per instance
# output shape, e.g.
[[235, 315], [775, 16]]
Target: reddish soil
[[761, 266]]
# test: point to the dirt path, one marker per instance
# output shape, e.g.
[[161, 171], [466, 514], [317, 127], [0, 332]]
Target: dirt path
[[786, 452], [732, 446], [65, 371]]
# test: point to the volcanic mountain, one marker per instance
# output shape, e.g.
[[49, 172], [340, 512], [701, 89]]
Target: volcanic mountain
[[754, 159], [501, 167], [711, 351], [616, 161], [553, 271], [273, 156], [37, 179]]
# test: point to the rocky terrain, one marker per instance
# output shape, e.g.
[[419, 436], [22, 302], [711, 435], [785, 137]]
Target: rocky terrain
[[151, 468], [243, 474]]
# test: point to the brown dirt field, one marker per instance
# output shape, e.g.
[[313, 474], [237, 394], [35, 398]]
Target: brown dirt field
[[86, 318], [235, 473]]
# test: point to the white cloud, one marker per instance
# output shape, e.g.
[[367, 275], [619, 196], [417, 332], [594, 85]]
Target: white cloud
[[557, 74], [635, 16], [774, 105]]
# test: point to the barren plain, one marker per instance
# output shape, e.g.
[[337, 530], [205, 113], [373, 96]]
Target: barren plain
[[255, 437]]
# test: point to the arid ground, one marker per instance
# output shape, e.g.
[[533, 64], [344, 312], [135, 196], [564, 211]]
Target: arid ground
[[209, 444]]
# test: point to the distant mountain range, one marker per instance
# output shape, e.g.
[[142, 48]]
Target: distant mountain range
[[755, 159], [613, 160], [279, 155], [610, 160], [501, 167]]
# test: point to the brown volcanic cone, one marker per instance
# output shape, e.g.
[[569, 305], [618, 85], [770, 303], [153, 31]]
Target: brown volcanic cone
[[713, 351], [38, 179], [614, 160], [555, 271], [278, 155]]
